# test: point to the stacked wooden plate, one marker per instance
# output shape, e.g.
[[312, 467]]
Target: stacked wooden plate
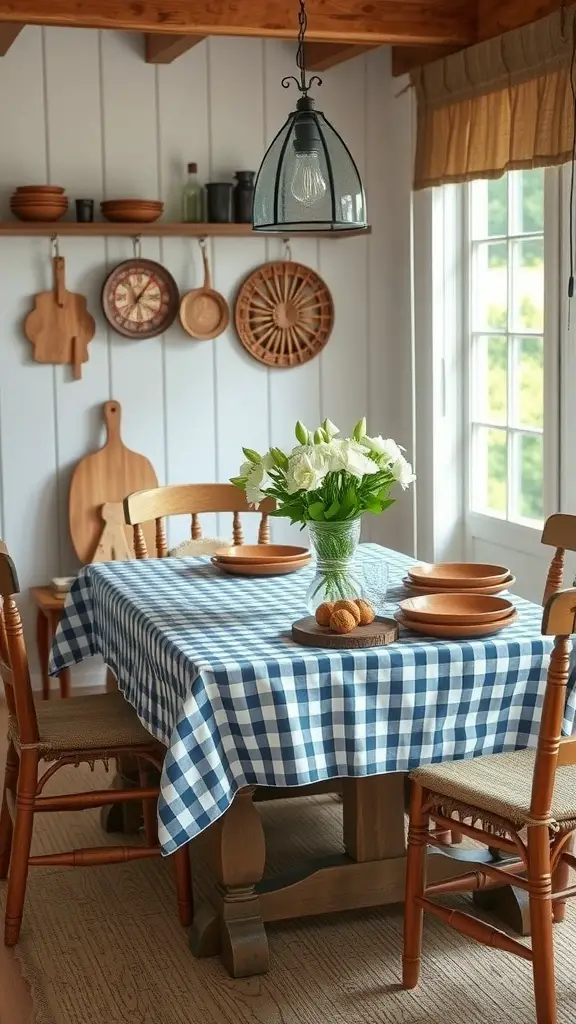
[[457, 616], [465, 577], [39, 202], [261, 559], [132, 211]]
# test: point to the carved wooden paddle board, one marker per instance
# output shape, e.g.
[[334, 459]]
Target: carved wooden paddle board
[[60, 326], [107, 475]]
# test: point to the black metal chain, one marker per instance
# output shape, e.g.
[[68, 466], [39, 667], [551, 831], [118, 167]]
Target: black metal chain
[[303, 85]]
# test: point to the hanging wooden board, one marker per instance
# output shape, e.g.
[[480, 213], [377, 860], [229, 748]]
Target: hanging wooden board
[[107, 475], [60, 326], [284, 313]]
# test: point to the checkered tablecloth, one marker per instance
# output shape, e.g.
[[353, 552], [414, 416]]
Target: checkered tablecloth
[[208, 663]]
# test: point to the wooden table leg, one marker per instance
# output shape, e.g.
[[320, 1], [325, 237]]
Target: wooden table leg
[[238, 855], [43, 645], [373, 817]]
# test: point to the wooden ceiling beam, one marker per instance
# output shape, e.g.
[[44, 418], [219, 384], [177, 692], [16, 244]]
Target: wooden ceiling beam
[[407, 58], [497, 16], [163, 49], [8, 33], [354, 21], [322, 56]]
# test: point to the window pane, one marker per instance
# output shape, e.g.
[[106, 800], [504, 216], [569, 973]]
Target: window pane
[[490, 382], [489, 208], [490, 287], [490, 470], [530, 475], [527, 189], [528, 286], [528, 375]]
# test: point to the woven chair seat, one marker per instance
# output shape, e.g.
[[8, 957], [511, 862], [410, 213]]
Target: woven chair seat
[[99, 722], [498, 787]]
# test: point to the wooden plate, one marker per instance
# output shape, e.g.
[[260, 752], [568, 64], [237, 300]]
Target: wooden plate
[[442, 631], [434, 589], [272, 569], [459, 574], [456, 609], [50, 189], [261, 554], [380, 632]]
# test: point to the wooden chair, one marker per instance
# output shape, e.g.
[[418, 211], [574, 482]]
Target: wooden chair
[[525, 804], [559, 532], [66, 732], [190, 499]]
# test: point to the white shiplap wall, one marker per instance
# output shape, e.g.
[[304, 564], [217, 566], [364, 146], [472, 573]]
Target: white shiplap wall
[[82, 109]]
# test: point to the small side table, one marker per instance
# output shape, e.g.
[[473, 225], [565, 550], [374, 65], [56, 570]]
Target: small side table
[[49, 608]]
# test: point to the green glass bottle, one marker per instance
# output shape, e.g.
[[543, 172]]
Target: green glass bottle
[[193, 198]]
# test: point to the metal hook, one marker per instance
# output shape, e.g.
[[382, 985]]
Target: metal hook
[[55, 245], [287, 249], [137, 243], [202, 244]]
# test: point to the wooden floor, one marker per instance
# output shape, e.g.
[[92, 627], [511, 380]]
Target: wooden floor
[[15, 1001]]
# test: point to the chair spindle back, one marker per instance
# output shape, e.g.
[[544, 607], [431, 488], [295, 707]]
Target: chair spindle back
[[559, 621], [14, 668], [559, 532], [190, 499]]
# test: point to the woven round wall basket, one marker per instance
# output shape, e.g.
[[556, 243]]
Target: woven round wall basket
[[284, 313]]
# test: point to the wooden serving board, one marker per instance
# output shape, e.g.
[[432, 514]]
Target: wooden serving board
[[60, 326], [107, 475], [379, 633]]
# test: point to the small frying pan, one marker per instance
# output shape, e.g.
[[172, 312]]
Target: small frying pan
[[204, 313]]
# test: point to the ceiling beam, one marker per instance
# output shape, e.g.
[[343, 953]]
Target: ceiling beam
[[322, 56], [163, 49], [407, 58], [355, 21], [497, 16], [8, 33]]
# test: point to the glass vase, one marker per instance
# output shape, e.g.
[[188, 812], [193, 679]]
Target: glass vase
[[334, 545]]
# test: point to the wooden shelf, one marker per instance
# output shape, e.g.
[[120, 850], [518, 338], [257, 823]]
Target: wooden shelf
[[160, 229]]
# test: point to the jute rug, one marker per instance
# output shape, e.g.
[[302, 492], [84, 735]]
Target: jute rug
[[103, 946]]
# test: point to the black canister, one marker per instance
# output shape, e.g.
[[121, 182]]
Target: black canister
[[219, 195], [244, 196]]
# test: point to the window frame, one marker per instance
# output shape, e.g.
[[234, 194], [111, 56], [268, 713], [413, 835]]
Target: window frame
[[493, 528]]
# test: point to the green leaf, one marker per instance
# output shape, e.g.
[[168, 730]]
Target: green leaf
[[348, 501], [279, 457], [252, 456], [238, 481], [333, 511], [316, 511]]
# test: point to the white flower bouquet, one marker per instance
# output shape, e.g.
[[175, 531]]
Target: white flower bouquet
[[327, 483], [326, 478]]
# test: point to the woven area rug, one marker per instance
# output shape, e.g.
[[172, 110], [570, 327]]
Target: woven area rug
[[103, 946]]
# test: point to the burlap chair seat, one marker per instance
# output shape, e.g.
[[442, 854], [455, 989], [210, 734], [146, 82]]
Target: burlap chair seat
[[100, 722], [498, 788]]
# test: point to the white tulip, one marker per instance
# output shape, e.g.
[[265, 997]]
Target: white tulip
[[383, 446], [307, 468], [254, 494], [402, 472], [350, 457], [330, 428]]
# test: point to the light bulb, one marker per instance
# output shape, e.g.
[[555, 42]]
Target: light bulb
[[308, 185]]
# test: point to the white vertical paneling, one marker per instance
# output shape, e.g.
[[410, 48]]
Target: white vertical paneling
[[73, 119], [87, 112], [235, 69], [388, 181], [343, 263], [131, 168]]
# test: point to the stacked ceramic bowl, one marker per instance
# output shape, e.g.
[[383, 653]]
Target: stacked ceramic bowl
[[39, 202], [261, 559], [457, 600], [132, 211]]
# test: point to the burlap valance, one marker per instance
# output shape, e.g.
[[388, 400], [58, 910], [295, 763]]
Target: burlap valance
[[498, 106]]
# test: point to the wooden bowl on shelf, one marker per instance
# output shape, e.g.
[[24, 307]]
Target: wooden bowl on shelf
[[23, 190], [50, 208], [132, 211]]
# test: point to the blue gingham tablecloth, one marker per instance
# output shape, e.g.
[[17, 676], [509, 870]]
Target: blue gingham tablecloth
[[208, 662]]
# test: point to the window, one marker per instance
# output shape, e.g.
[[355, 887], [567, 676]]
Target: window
[[506, 357]]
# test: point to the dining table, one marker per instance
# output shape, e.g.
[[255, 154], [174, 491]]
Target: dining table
[[208, 662]]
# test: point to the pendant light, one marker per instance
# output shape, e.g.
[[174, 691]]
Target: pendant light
[[308, 180]]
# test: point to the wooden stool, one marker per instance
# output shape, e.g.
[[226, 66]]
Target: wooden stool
[[49, 612]]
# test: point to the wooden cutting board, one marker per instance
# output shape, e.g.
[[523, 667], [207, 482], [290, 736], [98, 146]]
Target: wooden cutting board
[[60, 326], [107, 475]]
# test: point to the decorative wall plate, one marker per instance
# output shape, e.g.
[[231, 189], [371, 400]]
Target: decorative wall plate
[[140, 299], [284, 313]]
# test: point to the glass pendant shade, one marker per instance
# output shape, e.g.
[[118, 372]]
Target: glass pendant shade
[[308, 180]]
